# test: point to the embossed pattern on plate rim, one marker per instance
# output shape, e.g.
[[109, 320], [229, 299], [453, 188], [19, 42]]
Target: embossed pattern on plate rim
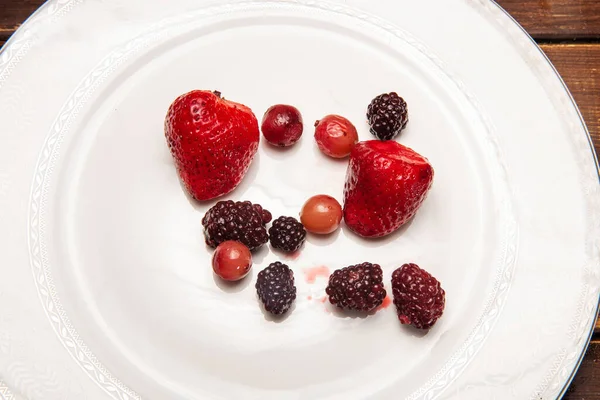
[[18, 46], [67, 333]]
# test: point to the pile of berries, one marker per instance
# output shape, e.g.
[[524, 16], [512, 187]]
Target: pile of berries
[[385, 185], [238, 228]]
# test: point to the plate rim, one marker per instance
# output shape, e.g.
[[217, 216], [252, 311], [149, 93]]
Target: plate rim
[[595, 159], [18, 45]]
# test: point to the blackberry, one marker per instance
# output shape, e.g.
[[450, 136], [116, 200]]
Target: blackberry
[[275, 288], [387, 115], [418, 296], [265, 214], [287, 234], [357, 287], [241, 221]]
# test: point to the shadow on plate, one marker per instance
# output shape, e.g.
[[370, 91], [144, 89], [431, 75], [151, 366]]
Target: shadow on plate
[[276, 318], [345, 314], [377, 242], [412, 331], [322, 240], [233, 287], [277, 152]]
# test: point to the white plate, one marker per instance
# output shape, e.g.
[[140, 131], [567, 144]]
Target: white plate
[[106, 288]]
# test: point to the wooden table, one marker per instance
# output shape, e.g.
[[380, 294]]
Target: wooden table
[[569, 32]]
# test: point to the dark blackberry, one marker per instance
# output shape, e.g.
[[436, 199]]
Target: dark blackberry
[[275, 288], [241, 221], [265, 214], [357, 287], [418, 296], [387, 115], [287, 234]]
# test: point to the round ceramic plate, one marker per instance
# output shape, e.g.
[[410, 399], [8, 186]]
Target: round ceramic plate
[[106, 289]]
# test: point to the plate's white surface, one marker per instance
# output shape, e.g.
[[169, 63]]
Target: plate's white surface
[[106, 287]]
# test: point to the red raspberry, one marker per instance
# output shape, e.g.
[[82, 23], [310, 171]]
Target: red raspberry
[[418, 296], [357, 287]]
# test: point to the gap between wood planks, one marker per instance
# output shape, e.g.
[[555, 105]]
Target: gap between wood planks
[[557, 19], [579, 66]]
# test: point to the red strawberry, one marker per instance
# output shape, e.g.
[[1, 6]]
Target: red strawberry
[[385, 185], [212, 140]]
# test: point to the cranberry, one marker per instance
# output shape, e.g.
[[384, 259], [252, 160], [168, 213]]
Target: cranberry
[[321, 214], [232, 260], [282, 125], [335, 136]]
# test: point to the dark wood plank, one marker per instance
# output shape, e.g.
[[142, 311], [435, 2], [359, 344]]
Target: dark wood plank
[[579, 65], [556, 19], [586, 384], [543, 19], [13, 13]]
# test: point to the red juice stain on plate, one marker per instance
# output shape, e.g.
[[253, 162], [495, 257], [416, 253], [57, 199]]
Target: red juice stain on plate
[[309, 298], [323, 299], [386, 303], [312, 273]]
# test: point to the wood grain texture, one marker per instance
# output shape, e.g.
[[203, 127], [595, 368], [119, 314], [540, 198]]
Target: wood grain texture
[[586, 384], [579, 66], [543, 19], [13, 13], [556, 19]]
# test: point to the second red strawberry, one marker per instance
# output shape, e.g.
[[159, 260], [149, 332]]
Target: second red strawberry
[[386, 183]]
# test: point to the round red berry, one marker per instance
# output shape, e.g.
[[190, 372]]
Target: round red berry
[[321, 214], [282, 125], [335, 136], [232, 260]]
